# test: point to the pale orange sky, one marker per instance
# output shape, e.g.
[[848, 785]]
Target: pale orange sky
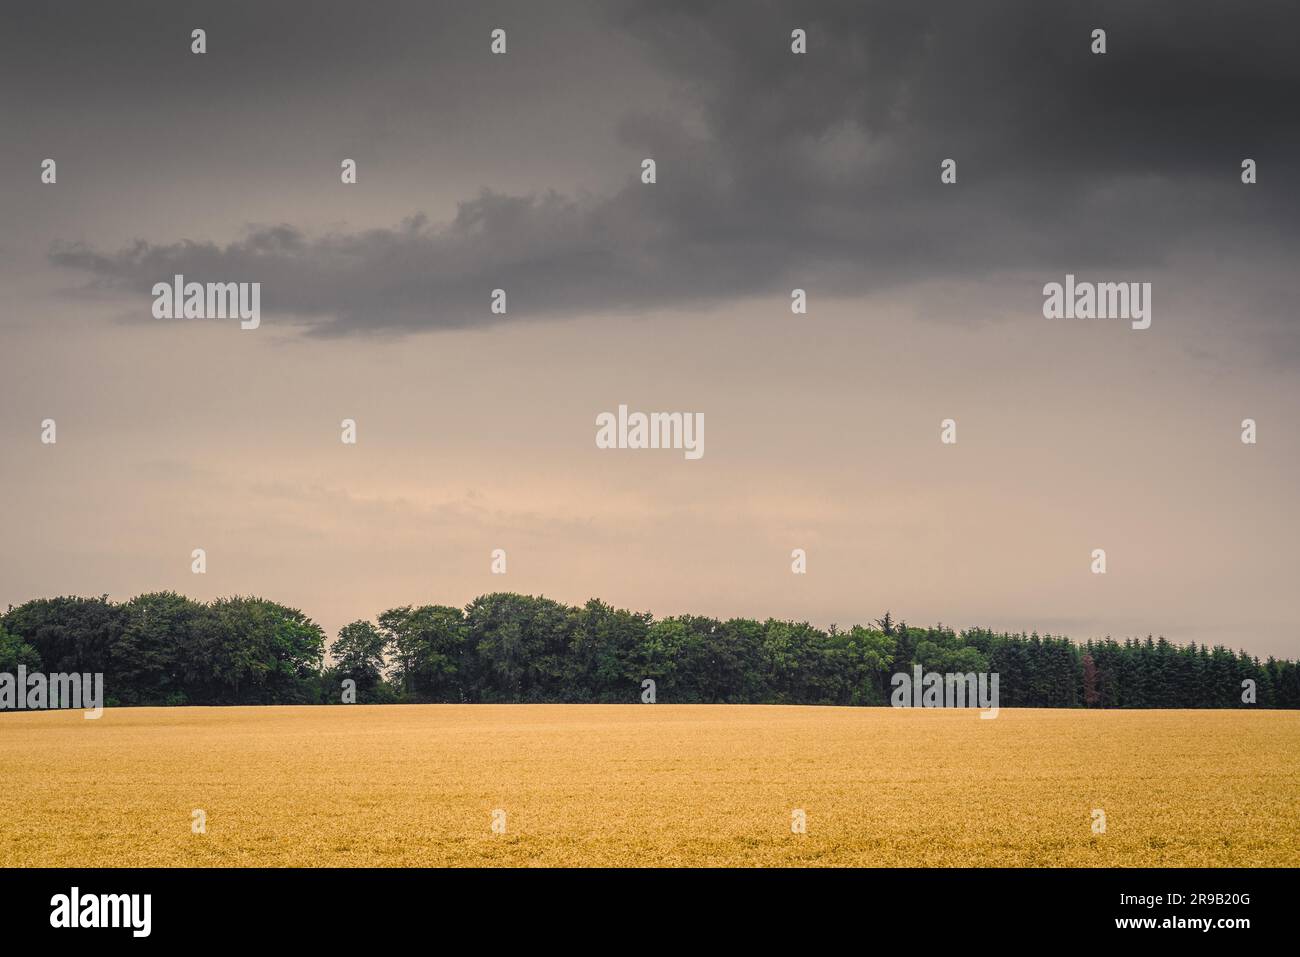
[[822, 433]]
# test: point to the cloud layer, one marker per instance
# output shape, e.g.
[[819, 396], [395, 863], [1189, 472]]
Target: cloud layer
[[822, 170]]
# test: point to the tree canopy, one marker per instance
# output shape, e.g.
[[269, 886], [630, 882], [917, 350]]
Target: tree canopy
[[165, 649]]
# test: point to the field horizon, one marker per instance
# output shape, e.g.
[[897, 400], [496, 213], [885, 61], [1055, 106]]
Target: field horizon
[[657, 785]]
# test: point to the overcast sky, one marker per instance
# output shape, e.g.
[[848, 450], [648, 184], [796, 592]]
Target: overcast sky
[[774, 171]]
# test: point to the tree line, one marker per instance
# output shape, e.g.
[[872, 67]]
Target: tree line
[[166, 649]]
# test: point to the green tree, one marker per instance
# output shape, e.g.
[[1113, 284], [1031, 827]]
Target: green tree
[[14, 652], [157, 636], [430, 650], [358, 655], [254, 651], [69, 633]]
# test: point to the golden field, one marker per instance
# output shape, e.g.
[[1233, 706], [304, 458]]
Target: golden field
[[648, 785]]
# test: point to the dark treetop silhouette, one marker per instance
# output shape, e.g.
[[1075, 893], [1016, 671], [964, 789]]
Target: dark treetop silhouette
[[166, 649]]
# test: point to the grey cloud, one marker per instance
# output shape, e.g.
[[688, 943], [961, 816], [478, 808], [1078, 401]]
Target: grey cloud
[[824, 169]]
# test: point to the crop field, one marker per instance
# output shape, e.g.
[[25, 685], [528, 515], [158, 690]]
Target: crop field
[[648, 785]]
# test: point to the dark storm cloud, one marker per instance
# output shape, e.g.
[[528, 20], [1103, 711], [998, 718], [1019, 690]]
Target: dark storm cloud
[[823, 169]]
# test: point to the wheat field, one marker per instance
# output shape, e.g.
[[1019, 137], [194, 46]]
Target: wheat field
[[648, 785]]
